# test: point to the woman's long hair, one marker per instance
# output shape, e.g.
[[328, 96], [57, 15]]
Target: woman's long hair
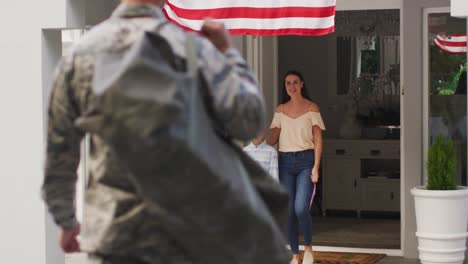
[[284, 97]]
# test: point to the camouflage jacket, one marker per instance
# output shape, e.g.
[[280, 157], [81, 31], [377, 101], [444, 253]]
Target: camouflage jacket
[[115, 218]]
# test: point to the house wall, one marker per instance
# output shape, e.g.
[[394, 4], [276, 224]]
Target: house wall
[[412, 123], [459, 8], [30, 47]]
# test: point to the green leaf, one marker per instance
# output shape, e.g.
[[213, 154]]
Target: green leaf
[[441, 164]]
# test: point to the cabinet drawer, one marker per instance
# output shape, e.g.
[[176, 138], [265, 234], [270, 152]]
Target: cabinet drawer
[[379, 150], [337, 152], [338, 149], [380, 195]]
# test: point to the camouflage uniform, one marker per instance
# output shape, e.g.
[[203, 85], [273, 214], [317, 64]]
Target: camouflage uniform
[[117, 227]]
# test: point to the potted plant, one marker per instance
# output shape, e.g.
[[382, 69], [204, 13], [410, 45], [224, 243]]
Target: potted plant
[[441, 208]]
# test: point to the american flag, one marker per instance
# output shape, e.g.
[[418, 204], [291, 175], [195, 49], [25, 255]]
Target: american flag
[[257, 17], [453, 44]]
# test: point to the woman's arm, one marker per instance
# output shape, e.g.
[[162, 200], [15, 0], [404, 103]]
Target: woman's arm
[[275, 129], [273, 139], [318, 144]]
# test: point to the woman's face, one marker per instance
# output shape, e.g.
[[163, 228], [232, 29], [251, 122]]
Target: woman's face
[[293, 85]]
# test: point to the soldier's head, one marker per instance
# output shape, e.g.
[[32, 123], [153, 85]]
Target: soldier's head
[[154, 2]]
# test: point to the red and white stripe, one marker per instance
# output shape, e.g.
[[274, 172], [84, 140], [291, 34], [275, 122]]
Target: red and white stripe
[[453, 44], [257, 17]]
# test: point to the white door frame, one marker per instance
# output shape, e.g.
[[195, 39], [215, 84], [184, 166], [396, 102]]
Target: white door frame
[[262, 56]]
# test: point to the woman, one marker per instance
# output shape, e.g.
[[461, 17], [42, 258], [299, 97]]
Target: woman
[[297, 127]]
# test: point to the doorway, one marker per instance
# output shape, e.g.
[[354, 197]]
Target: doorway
[[353, 75]]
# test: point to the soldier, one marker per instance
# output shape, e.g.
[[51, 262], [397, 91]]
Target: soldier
[[117, 228]]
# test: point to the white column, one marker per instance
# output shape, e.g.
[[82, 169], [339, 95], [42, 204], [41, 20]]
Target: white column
[[269, 74], [22, 229], [459, 8], [30, 47]]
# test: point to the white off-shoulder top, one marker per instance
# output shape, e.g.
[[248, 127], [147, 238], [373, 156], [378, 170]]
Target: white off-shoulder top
[[296, 133]]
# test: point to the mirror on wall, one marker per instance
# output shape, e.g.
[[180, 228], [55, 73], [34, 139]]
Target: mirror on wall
[[368, 65], [367, 47]]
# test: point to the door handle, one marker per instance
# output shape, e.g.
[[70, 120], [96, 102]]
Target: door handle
[[392, 196], [375, 152], [340, 151], [355, 183]]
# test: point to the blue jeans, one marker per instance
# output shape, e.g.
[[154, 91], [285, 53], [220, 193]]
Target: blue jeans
[[294, 173]]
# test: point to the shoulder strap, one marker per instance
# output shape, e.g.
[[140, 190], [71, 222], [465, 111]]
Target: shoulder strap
[[192, 71], [156, 29], [160, 26], [191, 53]]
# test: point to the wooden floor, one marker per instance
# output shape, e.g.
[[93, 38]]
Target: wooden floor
[[356, 233]]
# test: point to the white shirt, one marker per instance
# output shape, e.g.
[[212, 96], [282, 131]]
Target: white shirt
[[266, 156], [296, 133]]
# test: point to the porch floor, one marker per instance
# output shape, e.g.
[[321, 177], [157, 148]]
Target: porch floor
[[81, 259]]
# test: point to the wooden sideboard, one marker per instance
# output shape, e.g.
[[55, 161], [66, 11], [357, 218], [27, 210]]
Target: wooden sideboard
[[347, 182]]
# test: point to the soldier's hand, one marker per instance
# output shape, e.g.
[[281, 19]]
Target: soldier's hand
[[217, 33], [68, 240]]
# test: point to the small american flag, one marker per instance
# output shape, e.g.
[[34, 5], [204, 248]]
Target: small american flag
[[313, 195], [452, 44], [257, 17]]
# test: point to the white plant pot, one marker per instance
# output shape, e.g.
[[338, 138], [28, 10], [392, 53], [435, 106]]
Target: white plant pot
[[441, 218]]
